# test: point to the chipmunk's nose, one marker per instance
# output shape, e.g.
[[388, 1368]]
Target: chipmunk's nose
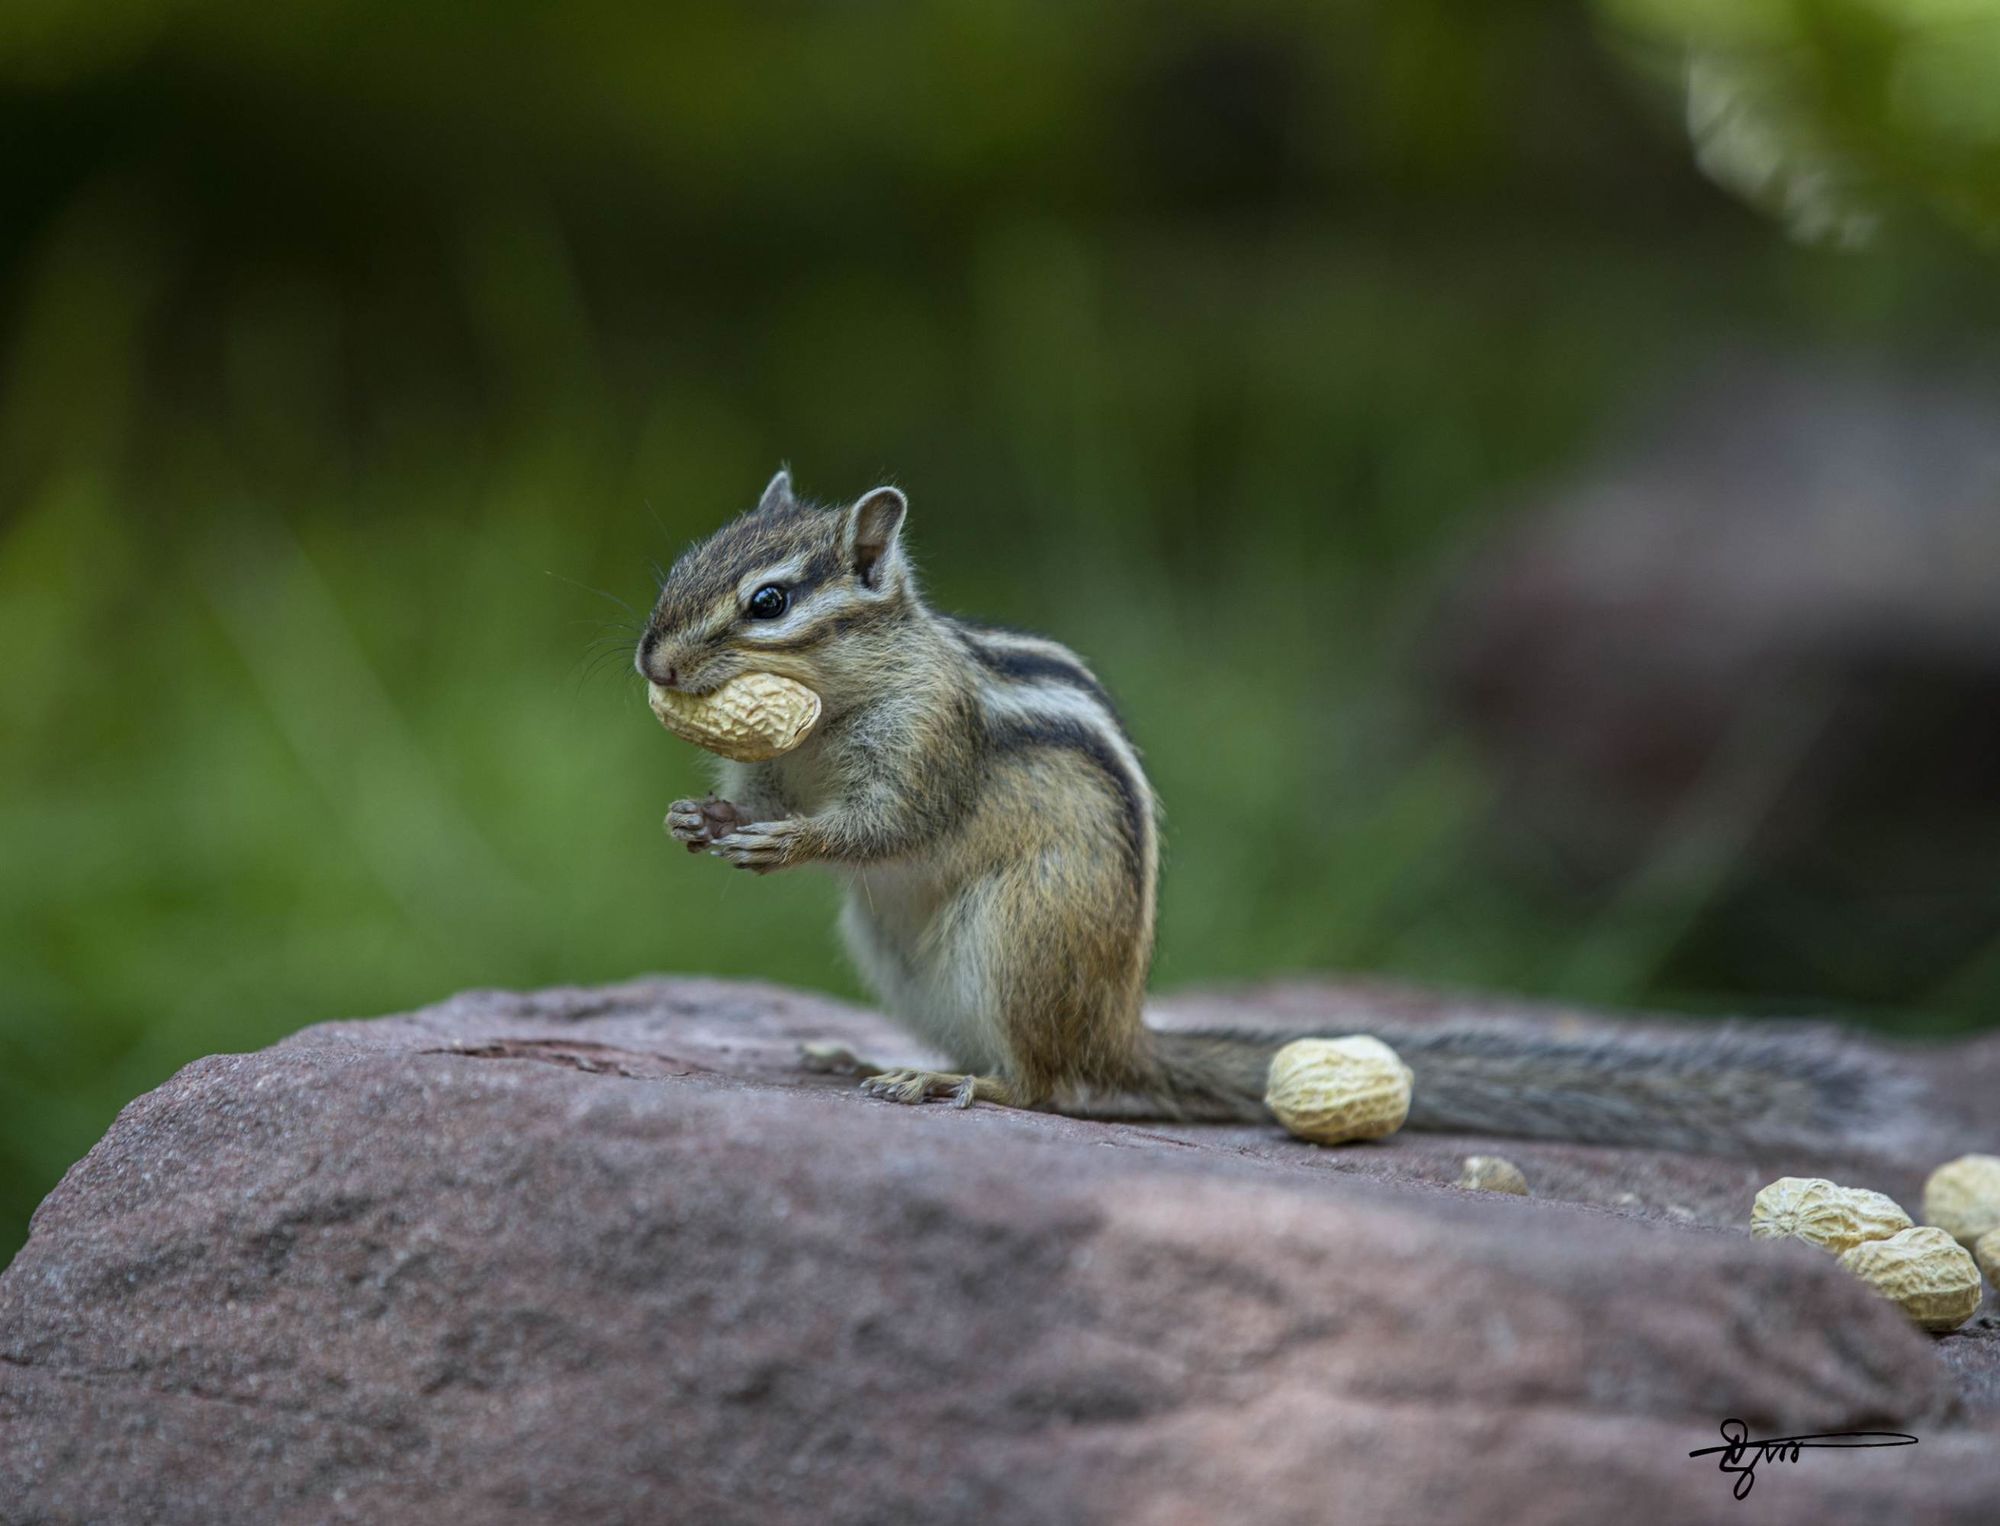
[[654, 665]]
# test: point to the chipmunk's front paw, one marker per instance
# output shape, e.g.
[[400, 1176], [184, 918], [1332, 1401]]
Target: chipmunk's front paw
[[698, 823], [760, 846]]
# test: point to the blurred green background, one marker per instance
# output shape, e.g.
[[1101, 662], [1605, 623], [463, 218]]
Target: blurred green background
[[358, 361]]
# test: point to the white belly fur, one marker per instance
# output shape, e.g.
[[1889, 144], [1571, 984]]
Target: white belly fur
[[909, 935]]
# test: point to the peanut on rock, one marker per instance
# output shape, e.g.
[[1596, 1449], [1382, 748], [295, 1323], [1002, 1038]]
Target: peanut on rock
[[1332, 1091], [1986, 1251], [752, 718], [1962, 1197], [1815, 1210], [1493, 1173], [1924, 1271]]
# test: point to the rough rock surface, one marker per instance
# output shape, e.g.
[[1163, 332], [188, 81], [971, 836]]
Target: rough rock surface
[[608, 1256]]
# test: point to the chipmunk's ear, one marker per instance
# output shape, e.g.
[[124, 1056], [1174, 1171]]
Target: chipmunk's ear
[[777, 492], [874, 526]]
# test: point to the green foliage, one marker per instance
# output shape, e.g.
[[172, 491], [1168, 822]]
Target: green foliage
[[1837, 113]]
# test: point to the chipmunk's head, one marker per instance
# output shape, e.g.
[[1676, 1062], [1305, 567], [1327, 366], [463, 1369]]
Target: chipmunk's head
[[790, 587]]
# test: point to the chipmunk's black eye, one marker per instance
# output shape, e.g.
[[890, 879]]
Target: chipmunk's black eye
[[769, 602]]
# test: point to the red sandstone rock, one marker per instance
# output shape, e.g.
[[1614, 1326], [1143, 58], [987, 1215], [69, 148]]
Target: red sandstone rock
[[608, 1256]]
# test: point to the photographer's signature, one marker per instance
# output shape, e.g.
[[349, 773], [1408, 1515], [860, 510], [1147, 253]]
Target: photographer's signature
[[1740, 1455]]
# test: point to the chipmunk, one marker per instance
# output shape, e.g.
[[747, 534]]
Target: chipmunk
[[977, 791]]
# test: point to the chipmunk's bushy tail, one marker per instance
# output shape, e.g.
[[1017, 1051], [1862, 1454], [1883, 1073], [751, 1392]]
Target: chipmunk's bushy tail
[[1693, 1091]]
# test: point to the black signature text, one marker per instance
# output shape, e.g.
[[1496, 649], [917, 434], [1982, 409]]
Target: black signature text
[[1740, 1455]]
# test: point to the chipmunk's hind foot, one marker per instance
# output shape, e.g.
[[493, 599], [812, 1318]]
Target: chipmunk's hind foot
[[828, 1059], [915, 1086]]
